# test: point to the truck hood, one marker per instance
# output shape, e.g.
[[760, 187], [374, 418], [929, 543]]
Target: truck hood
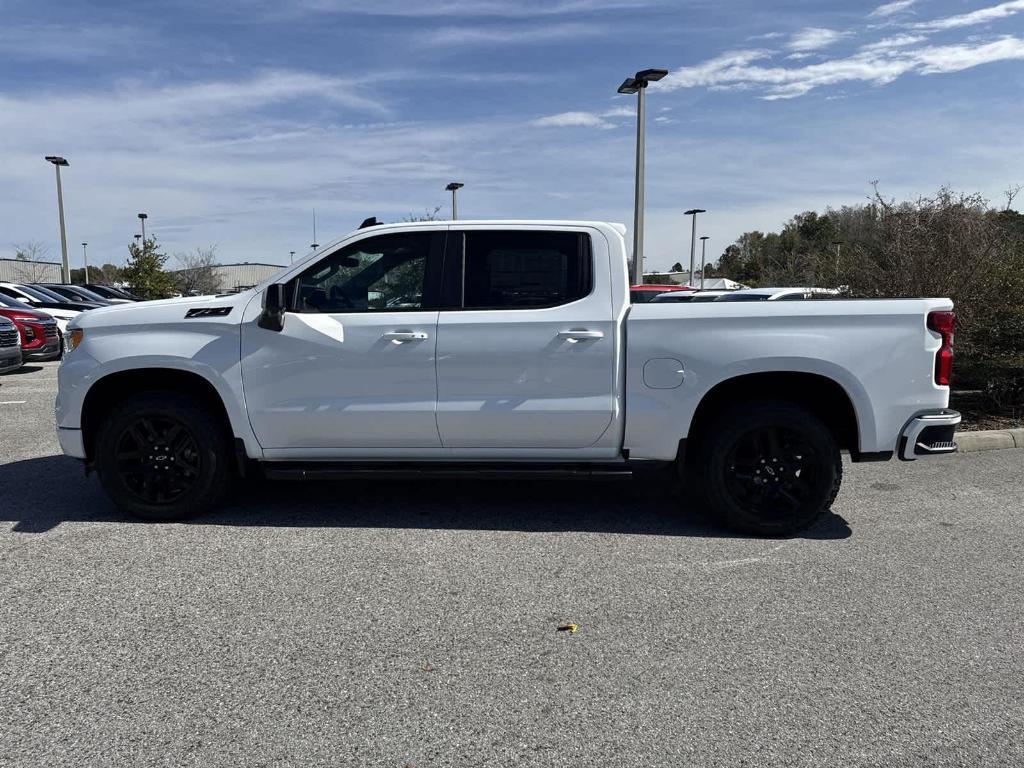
[[163, 311]]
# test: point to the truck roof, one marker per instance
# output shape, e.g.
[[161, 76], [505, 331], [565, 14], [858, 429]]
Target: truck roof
[[620, 228]]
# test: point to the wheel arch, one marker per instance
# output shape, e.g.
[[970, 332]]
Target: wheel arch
[[114, 386], [823, 396]]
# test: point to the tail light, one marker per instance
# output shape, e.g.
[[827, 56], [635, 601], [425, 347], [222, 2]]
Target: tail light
[[943, 324]]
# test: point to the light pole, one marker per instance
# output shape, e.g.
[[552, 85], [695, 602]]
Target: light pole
[[137, 239], [142, 220], [292, 255], [454, 187], [693, 240], [638, 85], [85, 258], [838, 244], [703, 250], [64, 267]]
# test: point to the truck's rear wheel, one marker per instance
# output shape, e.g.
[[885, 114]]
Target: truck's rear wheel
[[163, 456], [769, 468]]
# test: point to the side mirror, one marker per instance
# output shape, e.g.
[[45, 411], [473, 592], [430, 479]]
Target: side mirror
[[272, 317]]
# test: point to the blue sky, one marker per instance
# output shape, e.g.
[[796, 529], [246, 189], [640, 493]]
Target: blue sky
[[229, 122]]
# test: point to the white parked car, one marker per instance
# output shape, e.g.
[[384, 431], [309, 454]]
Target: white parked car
[[682, 297], [499, 347], [32, 298], [777, 294]]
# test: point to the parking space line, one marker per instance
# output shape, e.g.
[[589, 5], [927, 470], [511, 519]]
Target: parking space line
[[13, 402]]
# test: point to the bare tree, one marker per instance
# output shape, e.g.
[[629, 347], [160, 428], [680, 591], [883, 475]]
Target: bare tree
[[197, 275], [35, 266], [427, 215]]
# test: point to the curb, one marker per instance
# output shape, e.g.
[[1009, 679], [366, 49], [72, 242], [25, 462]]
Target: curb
[[990, 440]]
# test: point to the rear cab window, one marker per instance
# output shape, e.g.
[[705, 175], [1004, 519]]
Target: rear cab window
[[517, 269]]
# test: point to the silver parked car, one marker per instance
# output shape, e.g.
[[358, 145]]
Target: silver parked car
[[10, 346]]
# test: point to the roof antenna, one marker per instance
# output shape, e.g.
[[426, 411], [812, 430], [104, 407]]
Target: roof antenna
[[370, 222], [315, 244]]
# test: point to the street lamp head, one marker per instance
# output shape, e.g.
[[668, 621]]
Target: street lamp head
[[651, 75], [630, 85], [705, 237], [692, 211], [454, 185], [641, 79], [143, 216], [56, 160]]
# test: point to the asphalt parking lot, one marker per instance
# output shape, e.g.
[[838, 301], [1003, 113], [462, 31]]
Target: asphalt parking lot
[[414, 624]]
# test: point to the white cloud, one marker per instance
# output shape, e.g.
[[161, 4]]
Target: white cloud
[[980, 16], [58, 42], [893, 43], [891, 9], [572, 120], [508, 35], [472, 8], [740, 70], [583, 119], [813, 39]]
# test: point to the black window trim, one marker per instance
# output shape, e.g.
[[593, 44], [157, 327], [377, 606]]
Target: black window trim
[[432, 273], [453, 280]]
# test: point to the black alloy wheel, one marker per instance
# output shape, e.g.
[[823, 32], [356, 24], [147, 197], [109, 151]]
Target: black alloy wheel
[[769, 468], [158, 459], [163, 455]]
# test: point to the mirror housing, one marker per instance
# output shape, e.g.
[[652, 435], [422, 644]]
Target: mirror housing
[[272, 317]]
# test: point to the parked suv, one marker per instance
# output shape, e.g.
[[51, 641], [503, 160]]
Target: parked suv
[[10, 346], [40, 337]]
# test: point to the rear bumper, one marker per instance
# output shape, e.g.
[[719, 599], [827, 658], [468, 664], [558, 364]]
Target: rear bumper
[[929, 434]]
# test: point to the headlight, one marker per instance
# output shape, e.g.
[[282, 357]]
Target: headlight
[[75, 338]]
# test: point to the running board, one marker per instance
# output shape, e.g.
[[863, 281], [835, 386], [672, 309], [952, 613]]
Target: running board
[[290, 470]]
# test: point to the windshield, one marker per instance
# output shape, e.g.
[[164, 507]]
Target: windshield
[[45, 294], [35, 293], [7, 301]]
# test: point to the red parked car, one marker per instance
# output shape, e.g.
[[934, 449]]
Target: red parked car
[[641, 294], [40, 338]]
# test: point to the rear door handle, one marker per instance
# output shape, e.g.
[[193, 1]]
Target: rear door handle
[[400, 337], [573, 336]]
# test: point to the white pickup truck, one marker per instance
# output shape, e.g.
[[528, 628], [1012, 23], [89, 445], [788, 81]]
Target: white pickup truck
[[498, 347]]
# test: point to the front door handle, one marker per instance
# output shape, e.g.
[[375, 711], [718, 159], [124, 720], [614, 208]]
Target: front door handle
[[573, 336], [400, 337]]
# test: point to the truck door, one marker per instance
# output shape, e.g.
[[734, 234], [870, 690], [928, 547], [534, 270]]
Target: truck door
[[353, 366], [526, 340]]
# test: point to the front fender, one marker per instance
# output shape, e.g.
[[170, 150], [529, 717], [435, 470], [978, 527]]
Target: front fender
[[212, 354]]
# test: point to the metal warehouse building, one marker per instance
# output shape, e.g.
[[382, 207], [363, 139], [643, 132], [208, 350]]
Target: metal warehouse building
[[237, 277], [22, 271]]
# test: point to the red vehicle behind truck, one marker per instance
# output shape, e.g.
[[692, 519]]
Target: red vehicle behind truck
[[40, 338]]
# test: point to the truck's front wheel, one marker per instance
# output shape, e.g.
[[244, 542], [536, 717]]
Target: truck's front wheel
[[769, 468], [162, 456]]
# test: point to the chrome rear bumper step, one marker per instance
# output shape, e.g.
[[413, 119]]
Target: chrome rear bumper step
[[929, 434]]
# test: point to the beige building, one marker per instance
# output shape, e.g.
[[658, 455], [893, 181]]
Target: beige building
[[22, 271], [232, 278]]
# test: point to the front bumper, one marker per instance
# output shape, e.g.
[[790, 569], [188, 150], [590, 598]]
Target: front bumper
[[10, 359], [929, 434], [49, 351]]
